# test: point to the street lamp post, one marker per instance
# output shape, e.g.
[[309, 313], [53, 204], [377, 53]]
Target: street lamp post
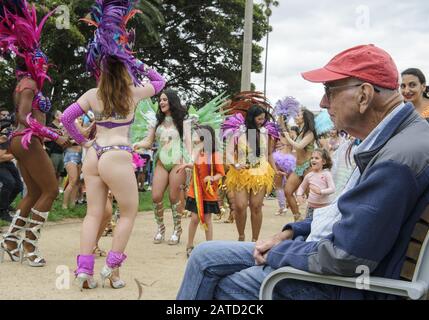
[[247, 47]]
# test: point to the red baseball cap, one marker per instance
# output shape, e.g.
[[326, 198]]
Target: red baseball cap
[[365, 62]]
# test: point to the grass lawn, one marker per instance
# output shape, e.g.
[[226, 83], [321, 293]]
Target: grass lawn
[[58, 214]]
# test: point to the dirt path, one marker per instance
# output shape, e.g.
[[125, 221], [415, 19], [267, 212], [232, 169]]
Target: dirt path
[[158, 267]]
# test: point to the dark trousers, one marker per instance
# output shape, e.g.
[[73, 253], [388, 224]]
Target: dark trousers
[[10, 184]]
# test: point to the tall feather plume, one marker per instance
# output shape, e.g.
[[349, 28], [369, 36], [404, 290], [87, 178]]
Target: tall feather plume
[[242, 101], [20, 33], [112, 39]]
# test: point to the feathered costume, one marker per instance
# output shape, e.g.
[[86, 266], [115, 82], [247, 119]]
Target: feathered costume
[[323, 123], [112, 42], [258, 174], [169, 153], [288, 107], [20, 34]]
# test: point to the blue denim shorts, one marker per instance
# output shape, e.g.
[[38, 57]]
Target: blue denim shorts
[[75, 157]]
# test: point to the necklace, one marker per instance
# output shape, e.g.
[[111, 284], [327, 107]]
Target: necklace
[[168, 120]]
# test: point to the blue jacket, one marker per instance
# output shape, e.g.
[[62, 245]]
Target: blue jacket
[[378, 214]]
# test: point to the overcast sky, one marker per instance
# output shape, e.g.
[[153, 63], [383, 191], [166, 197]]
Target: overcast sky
[[307, 34]]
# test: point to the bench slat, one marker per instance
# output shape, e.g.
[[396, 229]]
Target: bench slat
[[413, 251], [420, 232], [407, 271]]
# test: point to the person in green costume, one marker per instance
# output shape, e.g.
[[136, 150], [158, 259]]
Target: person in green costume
[[168, 131]]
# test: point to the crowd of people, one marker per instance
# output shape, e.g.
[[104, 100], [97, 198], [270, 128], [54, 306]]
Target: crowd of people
[[336, 182]]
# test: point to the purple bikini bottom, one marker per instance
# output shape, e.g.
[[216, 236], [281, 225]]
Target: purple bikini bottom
[[100, 150]]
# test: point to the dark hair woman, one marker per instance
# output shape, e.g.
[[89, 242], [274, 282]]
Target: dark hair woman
[[414, 90], [304, 146], [168, 133], [250, 148]]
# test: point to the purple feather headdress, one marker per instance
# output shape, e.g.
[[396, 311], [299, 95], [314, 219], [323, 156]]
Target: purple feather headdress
[[284, 161], [112, 39], [288, 107], [20, 34]]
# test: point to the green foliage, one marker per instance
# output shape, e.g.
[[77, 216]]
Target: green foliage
[[196, 44]]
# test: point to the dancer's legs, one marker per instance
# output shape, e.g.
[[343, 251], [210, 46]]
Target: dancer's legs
[[96, 192], [193, 226], [160, 183], [39, 176], [72, 188], [241, 201], [255, 203], [176, 182], [117, 172], [292, 185]]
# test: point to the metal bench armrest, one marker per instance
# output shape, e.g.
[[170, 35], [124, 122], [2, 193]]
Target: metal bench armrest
[[413, 290]]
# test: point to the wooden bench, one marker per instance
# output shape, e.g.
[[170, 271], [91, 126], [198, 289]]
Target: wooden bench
[[413, 283]]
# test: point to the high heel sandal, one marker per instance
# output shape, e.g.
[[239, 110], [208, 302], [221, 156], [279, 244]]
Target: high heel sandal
[[38, 261], [84, 272], [158, 209], [113, 262], [98, 252], [107, 273], [188, 251], [175, 237], [13, 237], [160, 235]]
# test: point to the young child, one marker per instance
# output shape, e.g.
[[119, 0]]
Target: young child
[[202, 198], [319, 182]]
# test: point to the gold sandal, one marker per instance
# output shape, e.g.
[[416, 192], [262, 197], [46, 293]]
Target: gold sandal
[[188, 251], [98, 252]]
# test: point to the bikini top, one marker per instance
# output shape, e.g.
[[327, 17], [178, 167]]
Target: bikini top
[[40, 102], [111, 124]]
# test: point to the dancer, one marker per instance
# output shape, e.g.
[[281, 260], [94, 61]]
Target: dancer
[[174, 149], [249, 151], [304, 146], [167, 130], [285, 161], [207, 170], [20, 34], [73, 165], [414, 90], [108, 163]]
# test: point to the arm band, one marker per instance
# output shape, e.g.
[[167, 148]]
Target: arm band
[[73, 112]]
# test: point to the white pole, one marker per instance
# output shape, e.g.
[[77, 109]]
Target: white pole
[[247, 47]]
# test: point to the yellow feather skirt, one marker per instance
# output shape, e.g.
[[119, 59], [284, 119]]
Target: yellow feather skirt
[[252, 180]]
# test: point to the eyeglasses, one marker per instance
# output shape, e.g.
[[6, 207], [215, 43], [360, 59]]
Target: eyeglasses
[[329, 89]]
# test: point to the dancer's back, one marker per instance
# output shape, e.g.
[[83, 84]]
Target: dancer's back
[[115, 129]]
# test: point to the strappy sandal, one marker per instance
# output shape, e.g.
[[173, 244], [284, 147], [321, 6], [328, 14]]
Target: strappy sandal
[[188, 251]]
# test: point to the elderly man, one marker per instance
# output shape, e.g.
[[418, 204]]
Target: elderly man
[[375, 214]]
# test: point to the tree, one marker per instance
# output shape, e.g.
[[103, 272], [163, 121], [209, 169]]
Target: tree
[[66, 50], [198, 49]]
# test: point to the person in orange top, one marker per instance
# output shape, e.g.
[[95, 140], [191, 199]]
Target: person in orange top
[[203, 192]]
